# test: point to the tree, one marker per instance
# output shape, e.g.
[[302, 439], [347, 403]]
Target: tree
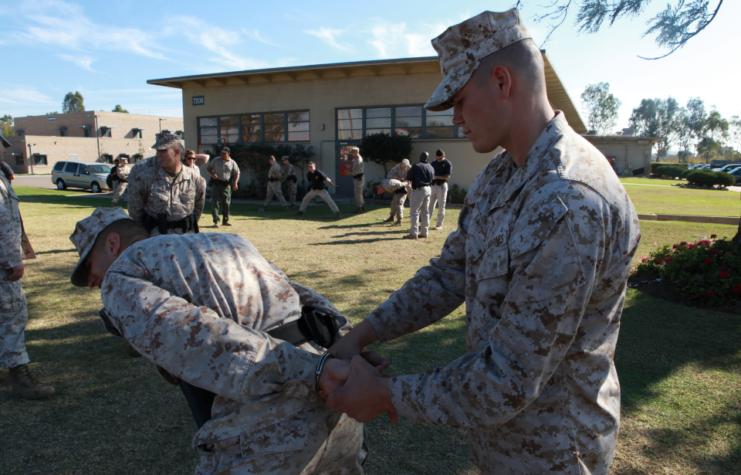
[[716, 125], [7, 126], [657, 118], [734, 133], [601, 106], [673, 27], [384, 149], [73, 103], [708, 147], [118, 108]]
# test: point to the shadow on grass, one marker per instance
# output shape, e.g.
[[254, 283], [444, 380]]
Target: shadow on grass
[[57, 251]]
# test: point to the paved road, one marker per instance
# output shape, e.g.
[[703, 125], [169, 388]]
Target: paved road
[[43, 181]]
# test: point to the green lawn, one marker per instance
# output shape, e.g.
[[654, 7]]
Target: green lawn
[[665, 199], [680, 368]]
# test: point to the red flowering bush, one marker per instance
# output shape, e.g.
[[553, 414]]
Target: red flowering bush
[[708, 271]]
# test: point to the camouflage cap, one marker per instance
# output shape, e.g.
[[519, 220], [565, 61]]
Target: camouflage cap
[[166, 140], [406, 163], [462, 47], [4, 141], [86, 232]]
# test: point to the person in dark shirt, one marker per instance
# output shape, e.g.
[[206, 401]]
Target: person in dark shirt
[[316, 183], [420, 175], [443, 169]]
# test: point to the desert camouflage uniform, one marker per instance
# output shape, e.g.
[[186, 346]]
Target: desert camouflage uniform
[[397, 203], [541, 261], [152, 190], [274, 186], [13, 309], [286, 171], [122, 171], [198, 306], [358, 168]]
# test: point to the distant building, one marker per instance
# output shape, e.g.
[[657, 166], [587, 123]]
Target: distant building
[[91, 136]]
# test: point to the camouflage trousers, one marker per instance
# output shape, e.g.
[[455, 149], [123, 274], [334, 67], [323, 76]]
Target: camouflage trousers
[[13, 320], [335, 446], [292, 191], [359, 184], [397, 204], [321, 194], [419, 210], [118, 190], [438, 195], [274, 190]]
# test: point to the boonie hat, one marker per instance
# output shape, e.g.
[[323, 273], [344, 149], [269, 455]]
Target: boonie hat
[[86, 232], [406, 163], [462, 47], [166, 140], [225, 150]]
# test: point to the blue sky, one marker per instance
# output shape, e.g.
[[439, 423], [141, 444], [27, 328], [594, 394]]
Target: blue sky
[[108, 50]]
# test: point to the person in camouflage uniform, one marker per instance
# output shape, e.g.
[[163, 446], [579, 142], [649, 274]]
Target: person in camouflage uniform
[[274, 180], [224, 179], [399, 172], [540, 258], [14, 247], [289, 176], [358, 179], [200, 306], [165, 196], [120, 181]]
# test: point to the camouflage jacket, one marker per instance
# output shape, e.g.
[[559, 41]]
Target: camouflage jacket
[[541, 261], [153, 191], [122, 172], [287, 170], [397, 173], [11, 254], [358, 166], [275, 172], [198, 305]]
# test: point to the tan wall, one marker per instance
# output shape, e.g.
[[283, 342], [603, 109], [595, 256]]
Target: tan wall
[[630, 153], [122, 124], [321, 97]]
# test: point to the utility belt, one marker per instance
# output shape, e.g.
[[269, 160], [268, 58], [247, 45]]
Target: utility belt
[[214, 181], [292, 178], [358, 177], [420, 186], [319, 189], [439, 182], [273, 180], [187, 224]]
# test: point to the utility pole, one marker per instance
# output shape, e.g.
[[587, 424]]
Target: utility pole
[[30, 156], [161, 119], [97, 135]]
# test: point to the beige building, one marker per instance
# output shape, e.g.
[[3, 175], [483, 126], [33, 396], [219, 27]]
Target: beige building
[[630, 156], [90, 136], [331, 107]]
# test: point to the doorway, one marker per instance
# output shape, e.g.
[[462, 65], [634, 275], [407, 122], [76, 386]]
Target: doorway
[[344, 167]]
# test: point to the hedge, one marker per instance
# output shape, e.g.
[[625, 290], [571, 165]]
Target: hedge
[[708, 178], [656, 166]]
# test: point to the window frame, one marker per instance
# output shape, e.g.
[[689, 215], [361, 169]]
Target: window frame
[[393, 107], [240, 124]]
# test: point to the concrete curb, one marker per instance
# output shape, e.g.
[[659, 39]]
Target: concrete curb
[[690, 219]]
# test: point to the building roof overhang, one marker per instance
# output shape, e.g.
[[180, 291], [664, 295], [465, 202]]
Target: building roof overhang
[[557, 93], [621, 138]]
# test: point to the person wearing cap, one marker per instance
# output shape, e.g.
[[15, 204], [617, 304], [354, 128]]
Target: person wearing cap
[[120, 179], [317, 179], [274, 179], [166, 198], [420, 177], [540, 258], [288, 171], [224, 178], [399, 173], [439, 190], [14, 248], [358, 179], [211, 311]]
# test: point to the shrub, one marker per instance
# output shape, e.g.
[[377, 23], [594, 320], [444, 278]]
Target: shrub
[[707, 271], [708, 178], [457, 194], [656, 167], [671, 171]]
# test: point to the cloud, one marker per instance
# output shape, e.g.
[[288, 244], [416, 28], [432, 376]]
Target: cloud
[[257, 36], [395, 40], [58, 23], [14, 94], [330, 36], [84, 62]]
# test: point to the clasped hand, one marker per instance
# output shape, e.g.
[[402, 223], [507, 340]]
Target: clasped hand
[[357, 387]]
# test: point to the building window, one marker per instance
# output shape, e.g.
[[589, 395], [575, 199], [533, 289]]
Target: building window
[[136, 133], [39, 160], [137, 157], [86, 132], [411, 120], [18, 161], [105, 132], [255, 128], [63, 133]]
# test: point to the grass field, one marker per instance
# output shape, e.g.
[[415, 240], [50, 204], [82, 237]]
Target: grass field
[[680, 368], [659, 197]]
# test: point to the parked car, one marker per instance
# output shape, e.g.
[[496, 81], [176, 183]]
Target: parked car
[[727, 168], [85, 175], [736, 174]]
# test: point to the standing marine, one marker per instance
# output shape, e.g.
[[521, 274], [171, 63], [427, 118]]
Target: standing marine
[[224, 178], [399, 173], [289, 177], [275, 176], [358, 168], [120, 179]]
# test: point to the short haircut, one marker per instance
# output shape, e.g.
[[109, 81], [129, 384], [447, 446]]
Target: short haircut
[[188, 152], [127, 229], [311, 163], [523, 57], [440, 153]]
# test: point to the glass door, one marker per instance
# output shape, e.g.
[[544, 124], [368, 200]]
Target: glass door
[[344, 168]]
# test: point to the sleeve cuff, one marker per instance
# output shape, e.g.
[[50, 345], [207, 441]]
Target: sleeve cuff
[[380, 327], [403, 391], [301, 377]]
